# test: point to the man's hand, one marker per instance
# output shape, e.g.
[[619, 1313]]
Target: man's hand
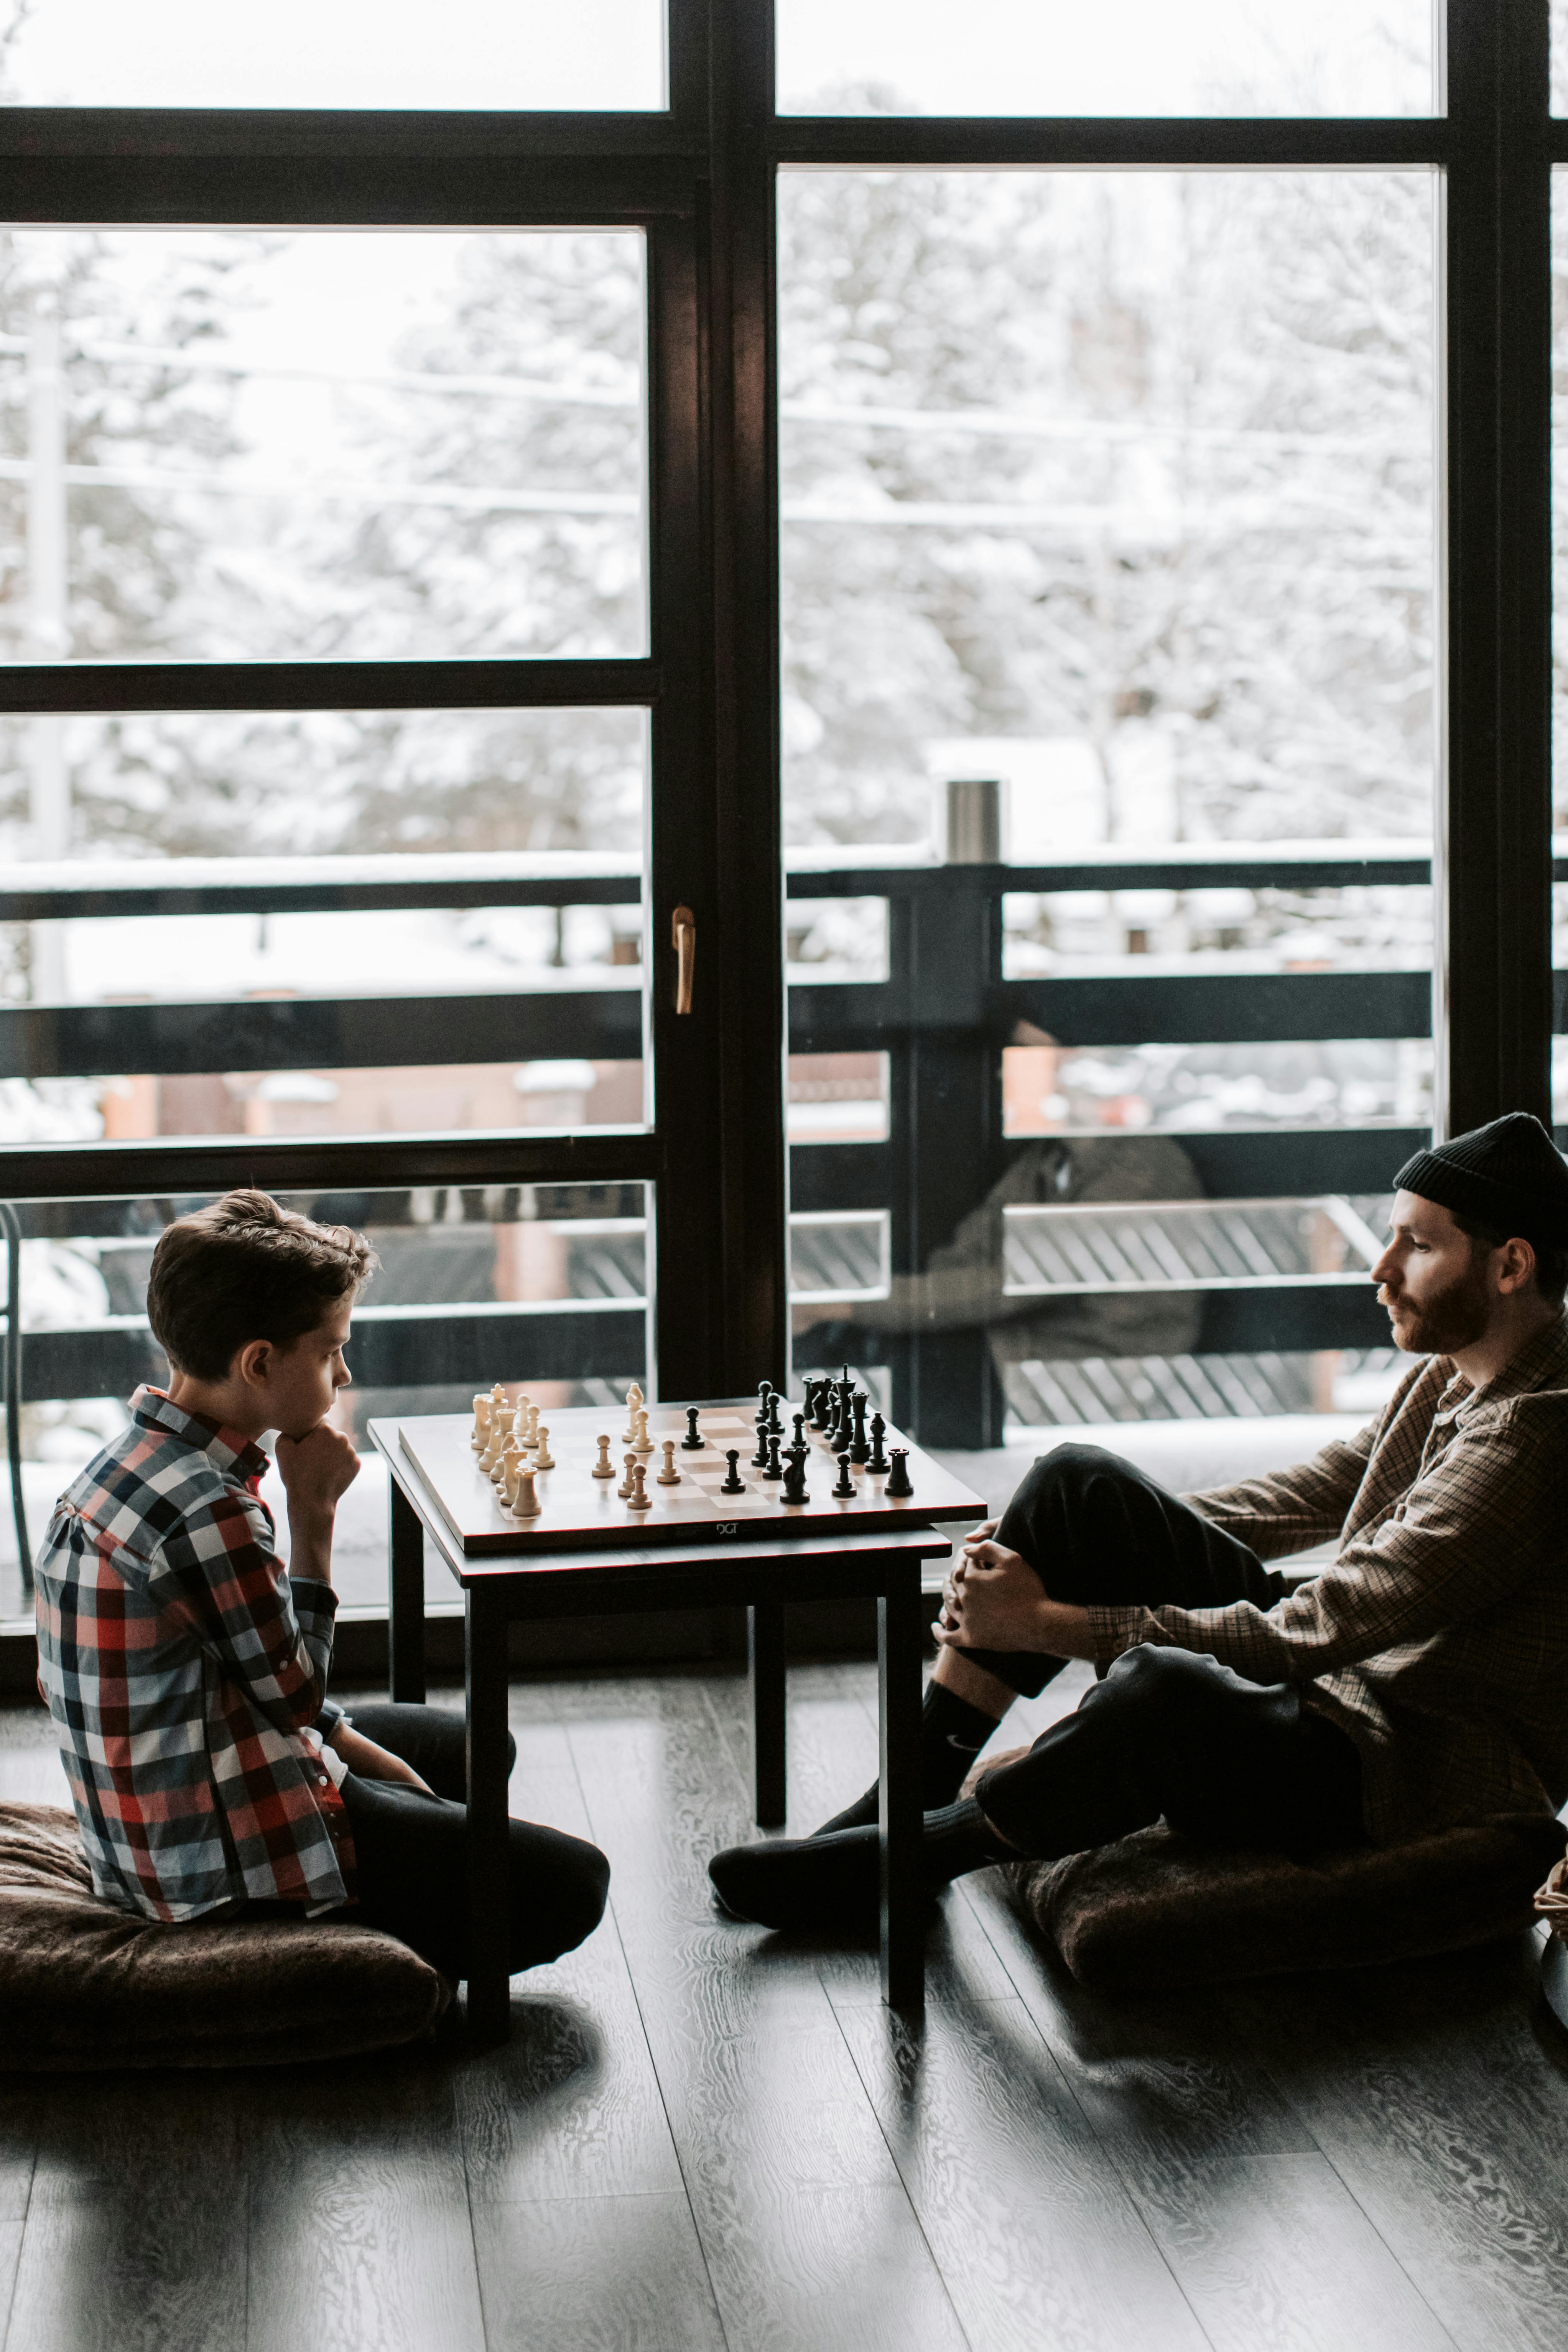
[[373, 1763], [994, 1601]]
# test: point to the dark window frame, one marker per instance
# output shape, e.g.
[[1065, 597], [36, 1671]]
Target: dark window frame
[[701, 179]]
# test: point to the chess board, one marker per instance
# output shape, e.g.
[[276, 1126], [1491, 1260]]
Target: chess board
[[582, 1513]]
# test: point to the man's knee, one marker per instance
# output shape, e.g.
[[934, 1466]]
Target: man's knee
[[1165, 1683], [562, 1892]]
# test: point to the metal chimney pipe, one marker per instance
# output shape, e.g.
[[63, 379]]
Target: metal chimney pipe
[[971, 827]]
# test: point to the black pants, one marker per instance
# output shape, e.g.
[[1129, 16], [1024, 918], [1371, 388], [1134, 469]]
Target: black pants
[[1166, 1732], [412, 1853]]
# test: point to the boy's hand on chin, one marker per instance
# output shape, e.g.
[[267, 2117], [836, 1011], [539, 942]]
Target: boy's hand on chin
[[316, 1468]]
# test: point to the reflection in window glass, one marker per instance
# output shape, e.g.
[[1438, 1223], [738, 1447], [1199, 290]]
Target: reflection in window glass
[[1341, 1082], [838, 1098], [1268, 928], [467, 1278], [1125, 57], [1116, 486], [228, 445], [448, 1008], [595, 54]]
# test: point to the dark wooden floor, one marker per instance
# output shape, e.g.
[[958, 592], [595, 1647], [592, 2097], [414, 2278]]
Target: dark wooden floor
[[700, 2136]]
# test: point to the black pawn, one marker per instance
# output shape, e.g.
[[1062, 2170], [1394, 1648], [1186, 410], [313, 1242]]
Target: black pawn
[[794, 1476], [775, 1423], [878, 1461], [898, 1480], [774, 1467], [760, 1458], [692, 1442], [799, 1420], [859, 1451], [734, 1483], [844, 1490]]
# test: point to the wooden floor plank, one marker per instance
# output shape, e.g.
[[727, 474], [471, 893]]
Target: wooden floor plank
[[571, 2106], [809, 2238], [361, 2234], [135, 2237], [596, 2274], [1439, 2093], [1035, 2233]]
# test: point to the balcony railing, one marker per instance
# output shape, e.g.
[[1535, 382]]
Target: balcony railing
[[941, 1017]]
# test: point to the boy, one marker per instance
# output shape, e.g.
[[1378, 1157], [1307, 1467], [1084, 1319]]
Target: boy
[[186, 1668]]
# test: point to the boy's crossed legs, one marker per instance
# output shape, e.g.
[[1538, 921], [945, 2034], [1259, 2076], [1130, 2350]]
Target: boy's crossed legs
[[1166, 1732]]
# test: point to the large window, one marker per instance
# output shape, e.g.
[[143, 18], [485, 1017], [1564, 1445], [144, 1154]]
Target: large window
[[1031, 527]]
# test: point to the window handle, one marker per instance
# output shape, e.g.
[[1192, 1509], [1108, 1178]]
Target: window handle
[[683, 937]]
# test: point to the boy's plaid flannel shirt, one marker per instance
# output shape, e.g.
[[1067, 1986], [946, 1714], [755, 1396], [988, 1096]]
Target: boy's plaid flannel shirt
[[185, 1676]]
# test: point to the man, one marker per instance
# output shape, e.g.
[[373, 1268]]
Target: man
[[1420, 1679]]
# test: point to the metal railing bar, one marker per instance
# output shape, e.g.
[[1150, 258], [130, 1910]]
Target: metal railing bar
[[85, 888], [35, 688]]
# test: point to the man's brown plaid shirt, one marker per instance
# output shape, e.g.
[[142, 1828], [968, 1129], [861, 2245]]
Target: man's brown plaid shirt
[[1438, 1637]]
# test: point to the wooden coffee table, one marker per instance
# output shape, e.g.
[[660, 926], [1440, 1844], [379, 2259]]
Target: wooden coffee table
[[773, 1562]]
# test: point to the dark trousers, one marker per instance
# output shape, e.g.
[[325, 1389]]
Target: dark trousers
[[412, 1853], [1167, 1732]]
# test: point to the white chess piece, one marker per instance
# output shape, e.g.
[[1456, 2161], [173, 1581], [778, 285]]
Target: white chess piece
[[503, 1476], [526, 1504], [642, 1443], [604, 1467], [639, 1499], [479, 1434], [496, 1444], [520, 1421], [532, 1438], [543, 1459], [670, 1475], [625, 1488], [634, 1398]]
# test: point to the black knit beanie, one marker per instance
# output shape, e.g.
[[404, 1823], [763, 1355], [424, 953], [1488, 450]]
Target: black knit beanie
[[1508, 1176]]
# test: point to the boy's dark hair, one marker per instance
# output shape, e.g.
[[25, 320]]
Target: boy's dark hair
[[246, 1269], [1551, 1257]]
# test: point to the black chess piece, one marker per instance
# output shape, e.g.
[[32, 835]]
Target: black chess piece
[[774, 1467], [760, 1458], [775, 1424], [734, 1483], [693, 1440], [878, 1464], [846, 1489], [814, 1390], [764, 1390], [860, 1450], [794, 1476], [799, 1420], [899, 1478]]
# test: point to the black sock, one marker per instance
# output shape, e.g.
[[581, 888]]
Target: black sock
[[953, 1734], [957, 1839]]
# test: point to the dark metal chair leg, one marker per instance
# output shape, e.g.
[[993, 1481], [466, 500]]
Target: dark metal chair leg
[[900, 1630], [765, 1660], [406, 1597], [489, 1993]]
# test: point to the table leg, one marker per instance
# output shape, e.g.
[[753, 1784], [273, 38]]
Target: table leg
[[901, 1628], [406, 1597], [765, 1661], [490, 1997]]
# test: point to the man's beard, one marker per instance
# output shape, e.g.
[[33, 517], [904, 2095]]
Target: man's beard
[[1457, 1318]]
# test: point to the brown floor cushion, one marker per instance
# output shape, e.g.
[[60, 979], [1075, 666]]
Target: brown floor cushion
[[1154, 1910], [84, 1985]]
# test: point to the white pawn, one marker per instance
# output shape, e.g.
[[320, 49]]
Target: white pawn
[[504, 1474], [526, 1504], [642, 1443], [604, 1467], [520, 1421], [639, 1499], [625, 1488], [670, 1475], [634, 1398], [479, 1435], [544, 1459], [532, 1438]]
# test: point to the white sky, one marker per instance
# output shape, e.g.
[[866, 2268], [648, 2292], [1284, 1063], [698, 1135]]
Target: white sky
[[1014, 57]]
